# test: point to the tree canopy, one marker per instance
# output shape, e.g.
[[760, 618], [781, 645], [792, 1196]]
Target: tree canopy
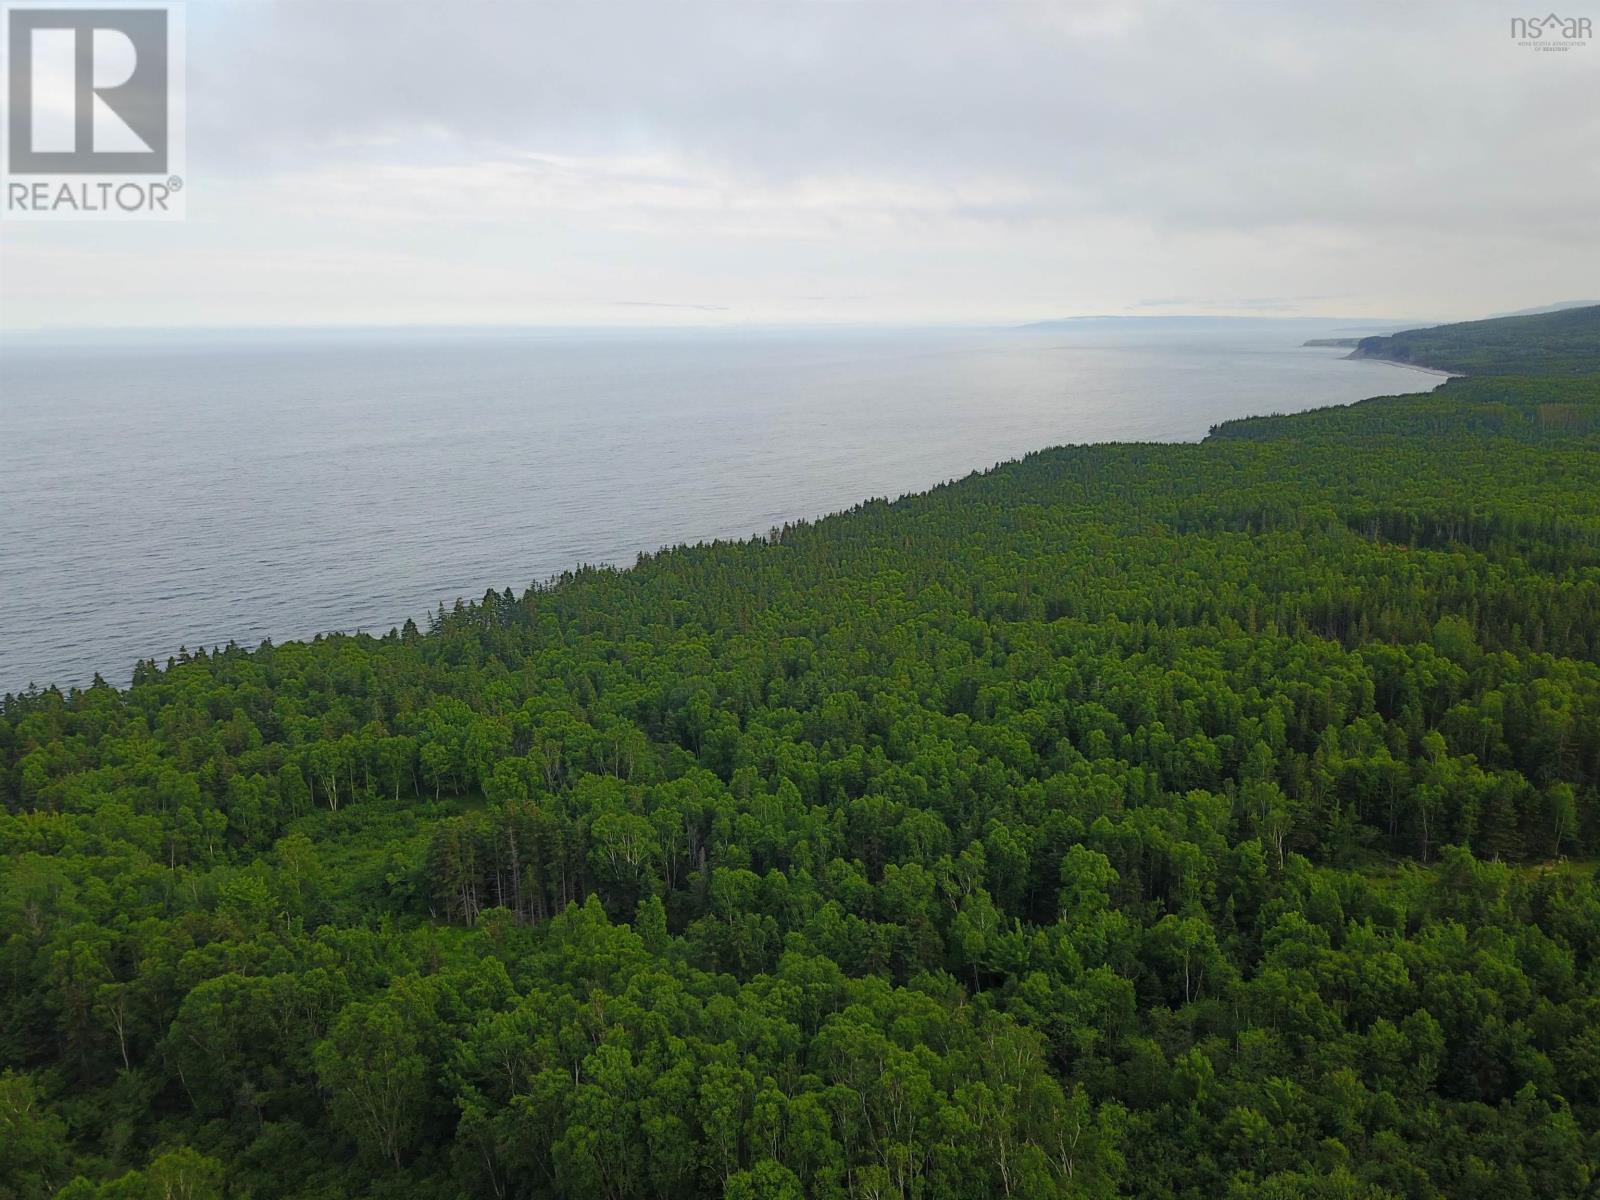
[[1210, 820]]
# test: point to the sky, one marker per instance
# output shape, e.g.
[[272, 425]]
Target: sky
[[788, 161]]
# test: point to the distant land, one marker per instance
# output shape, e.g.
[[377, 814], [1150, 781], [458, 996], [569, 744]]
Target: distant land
[[1207, 321], [1559, 306], [1562, 341]]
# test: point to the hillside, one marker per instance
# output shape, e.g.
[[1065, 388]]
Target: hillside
[[1207, 820], [1563, 342]]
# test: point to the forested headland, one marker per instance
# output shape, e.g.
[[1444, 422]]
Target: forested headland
[[1213, 820], [1564, 342]]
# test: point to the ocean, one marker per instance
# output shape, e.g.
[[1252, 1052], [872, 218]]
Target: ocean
[[188, 490]]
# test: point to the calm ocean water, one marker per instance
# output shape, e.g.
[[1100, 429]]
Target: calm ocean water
[[164, 492]]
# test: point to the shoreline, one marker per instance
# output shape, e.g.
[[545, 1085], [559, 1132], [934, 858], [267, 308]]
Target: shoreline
[[1357, 356], [733, 532]]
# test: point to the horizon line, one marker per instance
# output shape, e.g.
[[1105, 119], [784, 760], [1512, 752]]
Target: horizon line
[[1000, 324]]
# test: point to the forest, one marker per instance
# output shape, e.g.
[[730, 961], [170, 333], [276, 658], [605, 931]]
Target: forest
[[1564, 342], [1212, 820]]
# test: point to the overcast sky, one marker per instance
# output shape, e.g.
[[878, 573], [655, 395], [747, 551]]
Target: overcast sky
[[784, 161]]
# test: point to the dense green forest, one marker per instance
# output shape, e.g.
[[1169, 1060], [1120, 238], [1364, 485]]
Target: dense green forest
[[1199, 821], [1565, 342]]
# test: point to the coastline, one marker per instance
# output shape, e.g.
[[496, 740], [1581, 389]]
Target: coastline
[[261, 582], [1358, 356]]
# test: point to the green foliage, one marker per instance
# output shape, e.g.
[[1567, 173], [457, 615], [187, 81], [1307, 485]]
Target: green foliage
[[33, 1145], [1172, 821], [1566, 342]]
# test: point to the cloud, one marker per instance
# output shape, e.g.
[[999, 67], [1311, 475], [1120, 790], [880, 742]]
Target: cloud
[[943, 160], [665, 304]]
